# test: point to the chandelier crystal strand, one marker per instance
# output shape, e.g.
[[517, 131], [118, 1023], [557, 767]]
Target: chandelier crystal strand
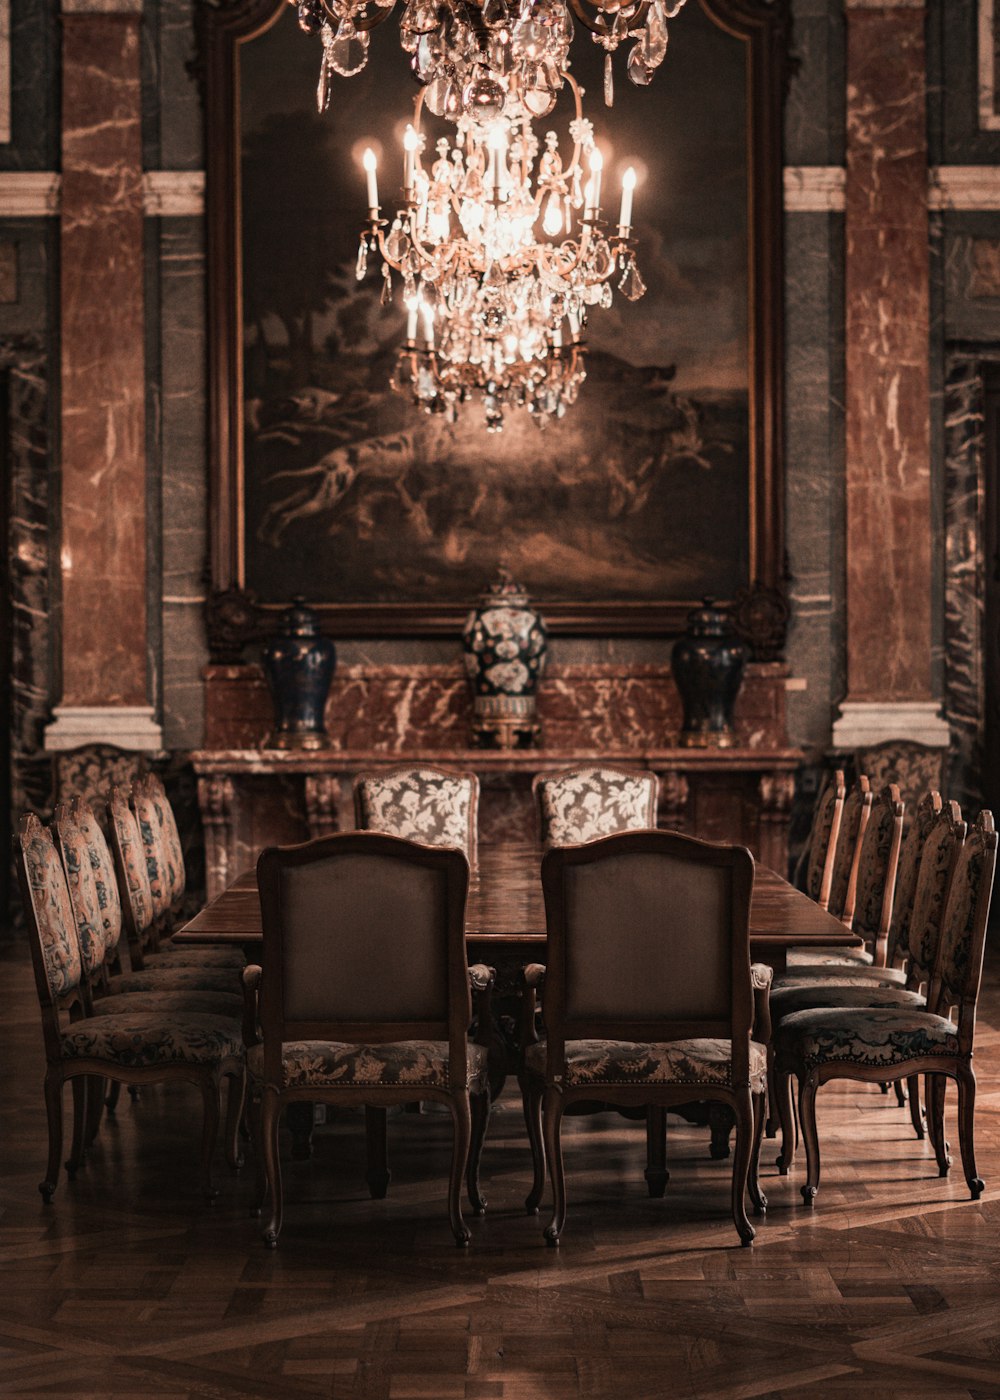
[[502, 252], [449, 40]]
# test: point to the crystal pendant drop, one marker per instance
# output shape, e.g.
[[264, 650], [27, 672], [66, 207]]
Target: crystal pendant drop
[[362, 265], [436, 95], [484, 99], [325, 85], [421, 16], [349, 51], [655, 35], [310, 15], [609, 82], [494, 13], [386, 295], [397, 243], [631, 284], [638, 70]]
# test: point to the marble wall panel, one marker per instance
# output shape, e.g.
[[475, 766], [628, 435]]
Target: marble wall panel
[[103, 544], [957, 137], [889, 555], [814, 113], [34, 87]]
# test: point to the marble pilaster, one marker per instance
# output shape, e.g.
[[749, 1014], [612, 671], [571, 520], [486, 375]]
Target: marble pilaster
[[887, 286], [103, 539]]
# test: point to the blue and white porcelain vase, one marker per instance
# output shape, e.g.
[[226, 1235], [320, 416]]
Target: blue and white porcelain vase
[[505, 643], [299, 663]]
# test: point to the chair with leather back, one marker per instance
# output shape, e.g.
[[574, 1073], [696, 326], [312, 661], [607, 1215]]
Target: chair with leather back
[[890, 1043], [131, 1047], [363, 995], [648, 991], [584, 804], [814, 875], [436, 806]]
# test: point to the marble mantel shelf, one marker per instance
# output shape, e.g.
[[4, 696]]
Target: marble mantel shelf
[[333, 760]]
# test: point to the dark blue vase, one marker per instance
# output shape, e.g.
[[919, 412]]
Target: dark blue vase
[[707, 662], [299, 663]]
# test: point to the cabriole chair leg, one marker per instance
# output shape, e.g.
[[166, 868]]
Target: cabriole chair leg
[[966, 1129], [54, 1113], [461, 1116], [552, 1111]]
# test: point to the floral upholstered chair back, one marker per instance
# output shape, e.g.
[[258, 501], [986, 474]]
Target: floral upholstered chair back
[[584, 804], [55, 946], [816, 872], [878, 862], [963, 930], [843, 884], [942, 845], [132, 874], [921, 824], [148, 807], [170, 837], [434, 806], [83, 893]]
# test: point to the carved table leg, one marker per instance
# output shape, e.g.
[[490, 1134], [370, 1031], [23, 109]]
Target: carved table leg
[[216, 800], [776, 792], [674, 793], [300, 1125], [656, 1172], [378, 1174], [322, 798]]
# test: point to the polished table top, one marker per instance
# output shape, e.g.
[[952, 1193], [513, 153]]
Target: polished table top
[[505, 905]]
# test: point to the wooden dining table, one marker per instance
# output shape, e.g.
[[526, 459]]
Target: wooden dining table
[[505, 928], [505, 913]]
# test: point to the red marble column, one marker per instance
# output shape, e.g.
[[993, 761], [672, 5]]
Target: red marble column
[[889, 536], [103, 535]]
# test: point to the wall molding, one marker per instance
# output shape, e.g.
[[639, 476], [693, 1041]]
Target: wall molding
[[969, 187], [989, 116], [173, 192], [814, 189]]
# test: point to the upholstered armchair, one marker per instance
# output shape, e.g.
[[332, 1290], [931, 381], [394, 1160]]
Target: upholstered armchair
[[363, 995], [436, 806], [623, 915], [127, 1046], [891, 1043], [584, 804]]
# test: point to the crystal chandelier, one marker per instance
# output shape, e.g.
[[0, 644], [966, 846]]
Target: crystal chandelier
[[451, 41], [502, 252]]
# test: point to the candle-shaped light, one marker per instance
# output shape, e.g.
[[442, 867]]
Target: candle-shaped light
[[557, 338], [428, 324], [410, 140], [411, 318], [625, 217], [369, 160], [596, 166], [574, 324]]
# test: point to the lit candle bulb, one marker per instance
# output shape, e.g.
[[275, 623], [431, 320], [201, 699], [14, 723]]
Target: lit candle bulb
[[411, 318], [625, 217], [370, 161], [410, 140], [574, 324], [428, 325], [594, 191]]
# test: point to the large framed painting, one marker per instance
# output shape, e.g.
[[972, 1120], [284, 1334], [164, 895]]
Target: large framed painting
[[663, 483]]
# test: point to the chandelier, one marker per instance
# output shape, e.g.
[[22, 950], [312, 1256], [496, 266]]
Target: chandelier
[[502, 252], [451, 40]]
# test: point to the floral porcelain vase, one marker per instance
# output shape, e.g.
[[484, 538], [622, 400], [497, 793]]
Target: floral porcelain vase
[[505, 643], [707, 662], [299, 663]]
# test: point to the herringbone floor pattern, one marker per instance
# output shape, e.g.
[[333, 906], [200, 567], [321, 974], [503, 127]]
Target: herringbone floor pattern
[[128, 1286]]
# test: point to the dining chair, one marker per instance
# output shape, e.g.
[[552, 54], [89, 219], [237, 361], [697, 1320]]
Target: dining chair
[[363, 996], [815, 873], [436, 806], [844, 878], [128, 1047], [898, 1043], [622, 1024], [583, 804], [908, 989]]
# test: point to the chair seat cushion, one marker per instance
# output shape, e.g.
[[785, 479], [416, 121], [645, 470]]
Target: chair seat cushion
[[191, 955], [788, 1000], [845, 976], [822, 957], [331, 1064], [138, 1040], [177, 979], [872, 1038], [625, 1062], [204, 1003]]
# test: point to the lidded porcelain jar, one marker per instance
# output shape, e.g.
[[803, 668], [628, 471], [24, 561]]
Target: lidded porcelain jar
[[299, 663], [505, 642], [707, 663]]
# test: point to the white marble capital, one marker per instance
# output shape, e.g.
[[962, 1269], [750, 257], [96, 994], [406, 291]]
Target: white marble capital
[[125, 726], [862, 723]]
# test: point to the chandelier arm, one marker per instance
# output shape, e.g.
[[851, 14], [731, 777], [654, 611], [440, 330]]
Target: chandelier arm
[[601, 29], [368, 24]]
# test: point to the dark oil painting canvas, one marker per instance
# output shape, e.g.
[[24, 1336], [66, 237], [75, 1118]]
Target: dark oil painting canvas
[[352, 495]]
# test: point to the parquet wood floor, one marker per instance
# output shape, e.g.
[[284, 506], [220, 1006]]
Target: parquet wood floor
[[127, 1286]]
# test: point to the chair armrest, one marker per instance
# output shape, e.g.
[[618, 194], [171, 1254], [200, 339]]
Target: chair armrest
[[761, 977], [532, 981], [251, 984], [481, 981]]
